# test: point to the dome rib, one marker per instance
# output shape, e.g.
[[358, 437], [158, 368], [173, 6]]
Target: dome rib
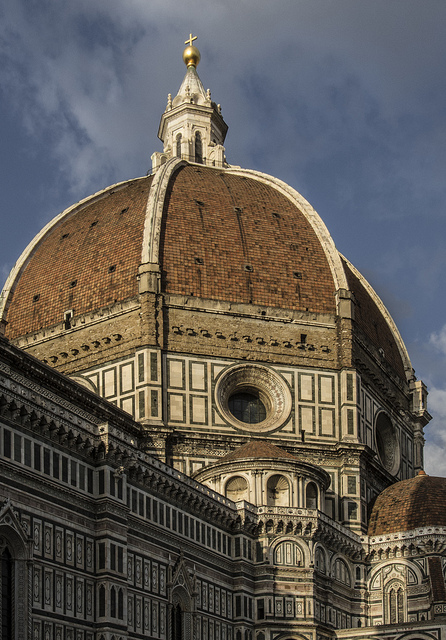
[[394, 348], [155, 208]]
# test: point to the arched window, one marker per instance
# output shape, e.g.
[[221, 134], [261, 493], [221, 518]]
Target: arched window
[[394, 605], [178, 145], [120, 605], [311, 496], [341, 572], [237, 489], [288, 553], [7, 594], [320, 560], [14, 585], [278, 491], [101, 601], [177, 622], [198, 148], [113, 602], [180, 616]]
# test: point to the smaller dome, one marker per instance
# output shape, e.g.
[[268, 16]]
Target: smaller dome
[[258, 449], [409, 504], [262, 473]]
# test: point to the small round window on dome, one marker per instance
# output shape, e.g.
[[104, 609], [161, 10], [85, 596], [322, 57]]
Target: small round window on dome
[[253, 398], [247, 407], [387, 442]]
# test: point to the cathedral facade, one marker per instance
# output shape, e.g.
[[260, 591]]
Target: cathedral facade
[[210, 425]]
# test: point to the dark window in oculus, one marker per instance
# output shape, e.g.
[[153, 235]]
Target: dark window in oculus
[[247, 407]]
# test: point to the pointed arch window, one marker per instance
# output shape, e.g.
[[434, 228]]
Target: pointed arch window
[[198, 148], [113, 602], [7, 594], [341, 572], [395, 603], [180, 614], [101, 601], [177, 622], [320, 560], [14, 581]]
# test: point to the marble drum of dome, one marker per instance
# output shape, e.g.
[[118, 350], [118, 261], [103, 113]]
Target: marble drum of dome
[[253, 398]]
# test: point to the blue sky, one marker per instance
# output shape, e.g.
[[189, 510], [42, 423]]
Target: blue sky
[[343, 99]]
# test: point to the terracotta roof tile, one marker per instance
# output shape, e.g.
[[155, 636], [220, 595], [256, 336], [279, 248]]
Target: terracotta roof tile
[[233, 238], [258, 449], [86, 262], [409, 504]]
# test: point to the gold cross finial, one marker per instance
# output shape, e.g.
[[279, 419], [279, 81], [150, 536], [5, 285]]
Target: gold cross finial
[[191, 39]]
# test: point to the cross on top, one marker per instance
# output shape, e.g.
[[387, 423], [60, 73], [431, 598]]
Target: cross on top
[[191, 39]]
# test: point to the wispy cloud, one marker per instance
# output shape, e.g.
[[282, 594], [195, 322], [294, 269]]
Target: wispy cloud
[[438, 340], [343, 100]]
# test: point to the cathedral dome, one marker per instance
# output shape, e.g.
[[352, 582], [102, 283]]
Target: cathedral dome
[[218, 234], [224, 235], [210, 302], [409, 504], [195, 229]]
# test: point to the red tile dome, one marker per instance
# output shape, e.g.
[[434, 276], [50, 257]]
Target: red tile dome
[[85, 259], [409, 504], [223, 237], [221, 234]]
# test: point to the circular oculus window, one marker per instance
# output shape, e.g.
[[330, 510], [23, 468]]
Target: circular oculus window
[[387, 443], [253, 398]]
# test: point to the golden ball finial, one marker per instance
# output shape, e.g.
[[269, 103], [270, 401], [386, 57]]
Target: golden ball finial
[[191, 55]]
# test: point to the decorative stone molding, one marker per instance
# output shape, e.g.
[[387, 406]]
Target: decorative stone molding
[[260, 340], [271, 388]]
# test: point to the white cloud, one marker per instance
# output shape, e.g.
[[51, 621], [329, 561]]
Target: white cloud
[[437, 406], [102, 68], [438, 340], [434, 453], [340, 99], [435, 460]]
